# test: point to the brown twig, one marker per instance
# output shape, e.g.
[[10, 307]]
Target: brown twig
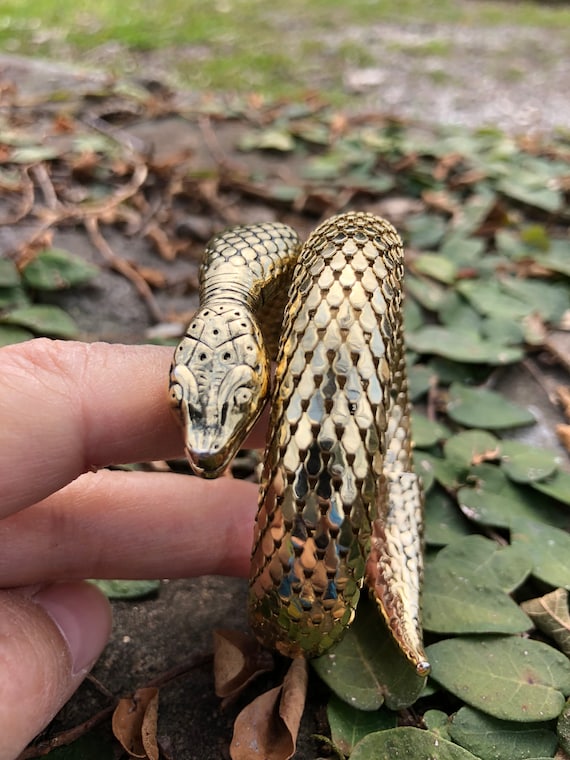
[[202, 658], [41, 749], [67, 737], [41, 176], [26, 203], [123, 267]]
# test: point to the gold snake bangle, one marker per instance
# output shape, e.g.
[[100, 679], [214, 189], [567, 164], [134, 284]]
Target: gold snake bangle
[[340, 504]]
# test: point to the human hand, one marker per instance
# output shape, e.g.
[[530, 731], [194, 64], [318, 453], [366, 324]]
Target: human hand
[[67, 409]]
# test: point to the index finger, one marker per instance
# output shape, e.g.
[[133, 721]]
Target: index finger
[[69, 407]]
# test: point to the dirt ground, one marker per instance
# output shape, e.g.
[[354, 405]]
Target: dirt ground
[[514, 78]]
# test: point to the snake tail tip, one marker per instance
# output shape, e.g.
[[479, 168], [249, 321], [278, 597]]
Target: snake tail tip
[[423, 668]]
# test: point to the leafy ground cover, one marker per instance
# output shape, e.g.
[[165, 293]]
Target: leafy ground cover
[[485, 219]]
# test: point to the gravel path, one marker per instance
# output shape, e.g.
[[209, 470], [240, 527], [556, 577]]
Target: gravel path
[[515, 78], [511, 77]]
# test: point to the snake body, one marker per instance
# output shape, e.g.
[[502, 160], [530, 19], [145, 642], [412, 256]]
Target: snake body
[[339, 504]]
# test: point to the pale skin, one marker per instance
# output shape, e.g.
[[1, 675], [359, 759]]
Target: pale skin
[[66, 411]]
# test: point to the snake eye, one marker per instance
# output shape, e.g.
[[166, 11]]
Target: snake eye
[[242, 396]]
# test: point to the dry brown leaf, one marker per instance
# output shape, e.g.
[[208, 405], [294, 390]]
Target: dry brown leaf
[[563, 393], [558, 342], [440, 200], [267, 728], [446, 164], [563, 433], [535, 329], [134, 724], [238, 659]]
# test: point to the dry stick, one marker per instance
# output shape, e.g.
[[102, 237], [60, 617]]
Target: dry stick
[[72, 734], [88, 210], [67, 737], [123, 267], [199, 659], [27, 202], [41, 175]]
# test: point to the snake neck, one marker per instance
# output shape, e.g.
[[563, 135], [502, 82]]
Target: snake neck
[[219, 382], [252, 265]]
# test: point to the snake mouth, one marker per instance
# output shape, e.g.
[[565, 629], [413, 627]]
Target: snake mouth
[[206, 464]]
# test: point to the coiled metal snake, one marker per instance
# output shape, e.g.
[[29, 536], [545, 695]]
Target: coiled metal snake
[[339, 501]]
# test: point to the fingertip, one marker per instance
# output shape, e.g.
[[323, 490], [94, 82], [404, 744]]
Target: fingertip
[[82, 615], [48, 641]]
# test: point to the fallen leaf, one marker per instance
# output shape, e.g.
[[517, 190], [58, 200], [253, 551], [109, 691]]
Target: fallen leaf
[[238, 659], [267, 728], [563, 433], [134, 723], [563, 393], [550, 614]]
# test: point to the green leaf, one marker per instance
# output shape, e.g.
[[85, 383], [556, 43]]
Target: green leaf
[[55, 269], [558, 257], [127, 589], [490, 299], [505, 676], [495, 500], [454, 603], [465, 588], [461, 345], [12, 297], [43, 320], [444, 471], [503, 331], [426, 292], [436, 266], [548, 549], [33, 154], [9, 335], [492, 739], [471, 447], [420, 379], [410, 743], [536, 236], [525, 464], [455, 312], [437, 722], [443, 521], [546, 299], [349, 725], [427, 433], [367, 668], [481, 559], [550, 614], [477, 407], [563, 728], [272, 138], [426, 230], [557, 486], [540, 197], [9, 275]]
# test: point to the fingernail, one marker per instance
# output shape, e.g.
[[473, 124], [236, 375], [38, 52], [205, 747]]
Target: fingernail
[[83, 617]]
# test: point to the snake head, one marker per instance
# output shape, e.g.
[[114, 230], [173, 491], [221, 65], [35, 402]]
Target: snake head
[[218, 389]]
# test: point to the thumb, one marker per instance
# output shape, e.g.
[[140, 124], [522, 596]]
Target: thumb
[[48, 643]]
